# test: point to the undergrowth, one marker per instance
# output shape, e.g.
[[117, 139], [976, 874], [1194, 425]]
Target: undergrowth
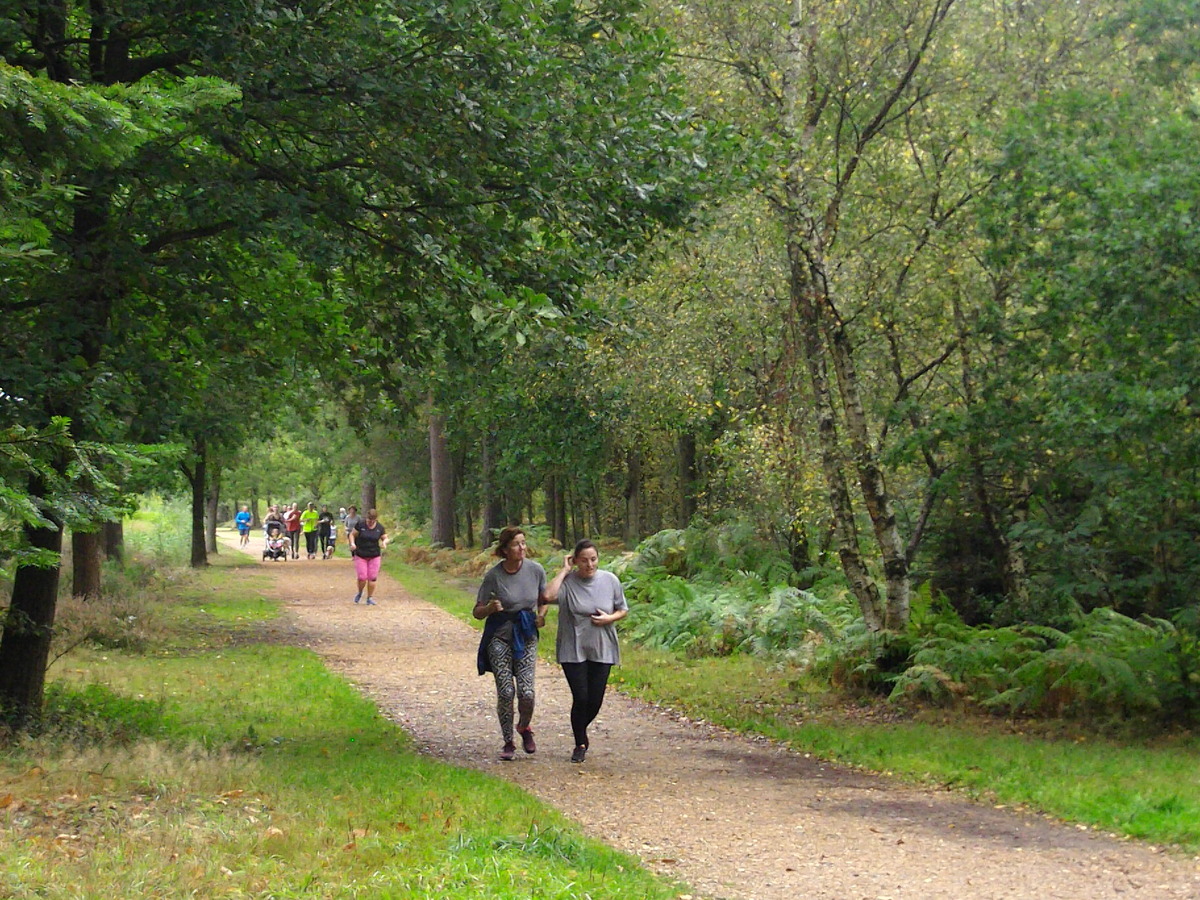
[[1108, 669]]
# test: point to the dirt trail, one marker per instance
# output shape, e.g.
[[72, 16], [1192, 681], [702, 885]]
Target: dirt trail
[[733, 817]]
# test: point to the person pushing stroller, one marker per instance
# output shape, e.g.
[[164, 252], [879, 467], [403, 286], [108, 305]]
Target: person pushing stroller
[[277, 543]]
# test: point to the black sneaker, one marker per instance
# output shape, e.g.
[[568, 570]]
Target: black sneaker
[[580, 754]]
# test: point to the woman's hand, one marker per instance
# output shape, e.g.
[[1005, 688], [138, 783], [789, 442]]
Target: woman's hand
[[603, 618], [494, 606]]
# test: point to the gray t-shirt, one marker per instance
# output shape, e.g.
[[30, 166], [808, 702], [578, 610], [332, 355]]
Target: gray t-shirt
[[522, 589], [579, 640]]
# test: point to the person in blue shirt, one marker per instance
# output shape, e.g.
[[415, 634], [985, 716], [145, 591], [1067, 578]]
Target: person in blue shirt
[[242, 520]]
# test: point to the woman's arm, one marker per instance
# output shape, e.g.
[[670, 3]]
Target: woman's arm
[[483, 609], [620, 607], [486, 602], [552, 589], [609, 618]]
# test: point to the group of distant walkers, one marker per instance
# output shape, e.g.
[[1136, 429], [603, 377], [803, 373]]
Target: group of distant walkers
[[512, 599], [283, 527]]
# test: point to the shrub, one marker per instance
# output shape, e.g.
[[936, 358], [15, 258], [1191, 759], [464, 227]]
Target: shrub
[[1106, 665]]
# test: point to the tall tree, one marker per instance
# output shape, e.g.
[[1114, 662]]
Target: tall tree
[[869, 123]]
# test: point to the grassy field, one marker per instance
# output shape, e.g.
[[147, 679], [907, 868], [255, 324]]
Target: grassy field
[[205, 763], [1148, 790]]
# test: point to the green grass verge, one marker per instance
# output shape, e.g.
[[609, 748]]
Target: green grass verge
[[1147, 790], [237, 769]]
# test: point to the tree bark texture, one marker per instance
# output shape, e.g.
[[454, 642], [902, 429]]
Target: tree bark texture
[[493, 505], [212, 502], [441, 479], [196, 477], [114, 541], [369, 492], [28, 627], [872, 485], [633, 498], [85, 564], [805, 313]]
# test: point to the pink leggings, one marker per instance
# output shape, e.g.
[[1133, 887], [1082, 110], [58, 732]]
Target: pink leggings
[[367, 569]]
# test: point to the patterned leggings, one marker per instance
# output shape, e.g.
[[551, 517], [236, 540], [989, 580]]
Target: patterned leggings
[[510, 684]]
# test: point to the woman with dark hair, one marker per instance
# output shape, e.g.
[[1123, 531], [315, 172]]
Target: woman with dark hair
[[512, 598], [589, 601], [367, 541]]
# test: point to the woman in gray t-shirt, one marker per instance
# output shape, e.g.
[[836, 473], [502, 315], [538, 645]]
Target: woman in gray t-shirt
[[589, 602], [512, 598]]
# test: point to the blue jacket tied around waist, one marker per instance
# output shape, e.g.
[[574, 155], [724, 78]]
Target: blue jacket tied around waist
[[524, 625]]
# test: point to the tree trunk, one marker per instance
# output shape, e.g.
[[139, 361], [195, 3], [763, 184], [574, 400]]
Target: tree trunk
[[806, 319], [493, 505], [560, 510], [555, 508], [85, 564], [369, 493], [577, 515], [441, 478], [633, 498], [196, 477], [114, 540], [28, 626], [29, 620], [871, 483], [688, 477], [548, 490], [213, 501]]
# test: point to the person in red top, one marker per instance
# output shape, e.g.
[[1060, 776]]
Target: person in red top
[[291, 521]]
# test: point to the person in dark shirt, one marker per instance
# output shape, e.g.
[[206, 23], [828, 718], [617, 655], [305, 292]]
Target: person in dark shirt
[[367, 541]]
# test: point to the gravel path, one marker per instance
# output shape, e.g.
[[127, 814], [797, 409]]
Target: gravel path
[[731, 816]]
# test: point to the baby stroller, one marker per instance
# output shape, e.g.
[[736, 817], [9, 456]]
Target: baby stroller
[[277, 545]]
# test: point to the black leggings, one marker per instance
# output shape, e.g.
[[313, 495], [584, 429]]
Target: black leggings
[[588, 681]]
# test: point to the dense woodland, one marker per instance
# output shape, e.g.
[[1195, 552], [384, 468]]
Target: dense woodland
[[886, 309]]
